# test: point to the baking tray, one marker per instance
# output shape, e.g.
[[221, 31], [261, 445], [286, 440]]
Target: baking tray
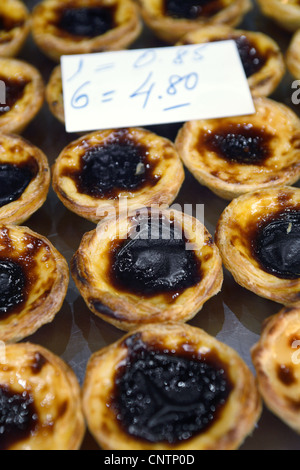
[[234, 316]]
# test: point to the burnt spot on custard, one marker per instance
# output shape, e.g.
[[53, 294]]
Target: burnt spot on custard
[[252, 58], [18, 416], [237, 143], [285, 374], [192, 9], [154, 260], [164, 395], [14, 91], [17, 272], [119, 164], [276, 244], [15, 178], [7, 23], [86, 22]]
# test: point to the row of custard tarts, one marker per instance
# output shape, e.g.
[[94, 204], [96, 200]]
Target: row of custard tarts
[[87, 26], [130, 366], [160, 387], [261, 57], [69, 27]]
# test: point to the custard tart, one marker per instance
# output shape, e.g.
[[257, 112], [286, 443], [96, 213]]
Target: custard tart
[[286, 13], [236, 155], [24, 179], [258, 235], [34, 278], [40, 400], [99, 172], [15, 24], [84, 26], [148, 266], [22, 94], [172, 19], [276, 360], [293, 55], [169, 387], [260, 55], [54, 94]]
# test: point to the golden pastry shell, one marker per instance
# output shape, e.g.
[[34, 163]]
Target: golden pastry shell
[[12, 41], [276, 360], [285, 13], [237, 420], [232, 179], [26, 367], [233, 237], [47, 285], [263, 82], [28, 106], [161, 151], [54, 45], [15, 150], [172, 29], [91, 264], [293, 55], [54, 94]]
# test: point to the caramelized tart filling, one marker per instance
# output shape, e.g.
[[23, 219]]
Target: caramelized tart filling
[[87, 22], [14, 91], [18, 416], [239, 143], [12, 284], [192, 9], [251, 58], [118, 165], [166, 396], [7, 24], [154, 261], [17, 273], [276, 245], [14, 179]]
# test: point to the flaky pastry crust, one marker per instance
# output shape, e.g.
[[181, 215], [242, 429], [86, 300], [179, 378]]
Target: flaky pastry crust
[[55, 393], [293, 55], [16, 27], [31, 100], [54, 94], [171, 29], [239, 415], [276, 360], [54, 42], [229, 178], [92, 262], [168, 174], [286, 14], [46, 279], [15, 150], [265, 80], [236, 229]]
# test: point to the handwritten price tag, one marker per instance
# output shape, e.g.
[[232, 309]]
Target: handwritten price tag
[[154, 86]]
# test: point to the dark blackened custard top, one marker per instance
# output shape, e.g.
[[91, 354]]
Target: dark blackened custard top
[[15, 178], [14, 91], [87, 22], [167, 396], [252, 59], [18, 416], [119, 164], [17, 273], [277, 244], [192, 9], [154, 261], [239, 143]]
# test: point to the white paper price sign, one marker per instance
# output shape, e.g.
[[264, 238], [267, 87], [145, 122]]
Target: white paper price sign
[[154, 86]]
